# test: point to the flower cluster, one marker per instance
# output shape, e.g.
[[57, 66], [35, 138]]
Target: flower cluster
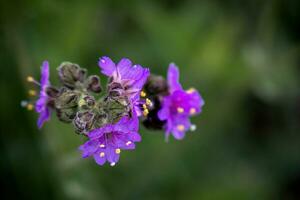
[[179, 105], [110, 121]]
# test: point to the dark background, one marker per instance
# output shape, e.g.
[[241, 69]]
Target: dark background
[[243, 56]]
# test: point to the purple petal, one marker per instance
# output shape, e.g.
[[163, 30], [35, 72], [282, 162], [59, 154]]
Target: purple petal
[[100, 160], [132, 73], [89, 148], [41, 103], [135, 137], [176, 129], [107, 66], [45, 74], [137, 110], [179, 135], [111, 155], [44, 116], [128, 146], [124, 66], [196, 100], [127, 124], [133, 123], [173, 78], [164, 112], [98, 132], [140, 82]]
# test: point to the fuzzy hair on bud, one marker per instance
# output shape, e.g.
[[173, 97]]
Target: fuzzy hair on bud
[[71, 74], [93, 84]]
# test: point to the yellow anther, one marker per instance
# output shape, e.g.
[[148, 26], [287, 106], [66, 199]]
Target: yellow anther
[[102, 145], [144, 106], [180, 127], [148, 102], [128, 143], [192, 111], [145, 112], [118, 151], [30, 79], [102, 154], [180, 110], [191, 90], [143, 94], [29, 106], [32, 92]]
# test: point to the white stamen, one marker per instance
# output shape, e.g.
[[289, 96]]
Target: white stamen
[[128, 143], [193, 127], [102, 154], [112, 164], [24, 103]]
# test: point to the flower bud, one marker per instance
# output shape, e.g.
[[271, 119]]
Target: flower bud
[[93, 84], [86, 102], [66, 114], [115, 89], [116, 108], [101, 118], [84, 121], [52, 92], [67, 98], [70, 74]]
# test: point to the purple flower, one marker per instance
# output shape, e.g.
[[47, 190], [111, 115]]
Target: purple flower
[[41, 104], [126, 79], [106, 143], [179, 105]]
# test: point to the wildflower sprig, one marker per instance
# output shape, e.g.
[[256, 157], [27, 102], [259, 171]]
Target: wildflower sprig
[[110, 121]]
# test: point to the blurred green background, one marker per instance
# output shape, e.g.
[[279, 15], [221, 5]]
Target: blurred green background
[[243, 56]]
